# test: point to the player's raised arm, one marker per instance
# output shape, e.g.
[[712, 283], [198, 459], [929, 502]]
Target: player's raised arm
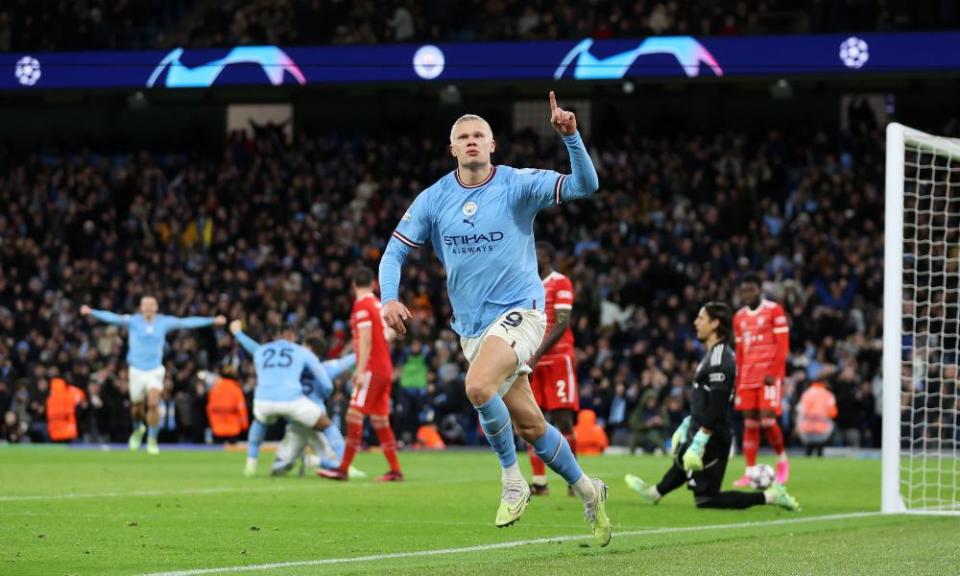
[[191, 322], [105, 316], [338, 366], [248, 343], [410, 234], [583, 180]]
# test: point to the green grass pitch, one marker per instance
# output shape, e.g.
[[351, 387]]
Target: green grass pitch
[[65, 512]]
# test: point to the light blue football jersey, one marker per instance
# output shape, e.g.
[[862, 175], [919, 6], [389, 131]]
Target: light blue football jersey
[[483, 235], [280, 367], [147, 339]]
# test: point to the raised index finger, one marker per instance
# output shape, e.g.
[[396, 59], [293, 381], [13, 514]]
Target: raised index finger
[[553, 101]]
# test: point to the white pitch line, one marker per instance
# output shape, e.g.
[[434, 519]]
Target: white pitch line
[[202, 491], [78, 495], [274, 518], [502, 545], [145, 493]]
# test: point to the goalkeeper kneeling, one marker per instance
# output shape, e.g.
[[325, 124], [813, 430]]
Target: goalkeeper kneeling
[[701, 445]]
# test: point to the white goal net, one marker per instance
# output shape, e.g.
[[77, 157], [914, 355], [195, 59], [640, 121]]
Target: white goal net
[[921, 460]]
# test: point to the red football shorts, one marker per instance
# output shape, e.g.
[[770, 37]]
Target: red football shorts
[[372, 397], [760, 398], [554, 383]]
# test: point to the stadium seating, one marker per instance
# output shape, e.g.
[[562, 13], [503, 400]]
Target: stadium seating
[[142, 24], [271, 231]]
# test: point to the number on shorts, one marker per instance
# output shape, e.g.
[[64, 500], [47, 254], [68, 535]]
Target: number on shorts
[[562, 391], [770, 393], [512, 320]]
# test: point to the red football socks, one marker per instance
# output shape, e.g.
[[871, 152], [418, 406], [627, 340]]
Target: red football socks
[[388, 443], [536, 464], [354, 436], [751, 441], [774, 435]]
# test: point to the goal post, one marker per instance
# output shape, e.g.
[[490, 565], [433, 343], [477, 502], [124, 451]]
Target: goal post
[[921, 324], [892, 311]]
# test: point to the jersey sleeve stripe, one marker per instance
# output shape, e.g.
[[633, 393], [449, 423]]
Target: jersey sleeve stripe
[[717, 357], [364, 324], [563, 306], [783, 330], [559, 188], [405, 240]]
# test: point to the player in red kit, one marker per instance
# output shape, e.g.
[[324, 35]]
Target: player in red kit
[[554, 379], [763, 339], [372, 380]]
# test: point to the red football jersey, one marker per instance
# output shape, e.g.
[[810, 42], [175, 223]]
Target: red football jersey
[[763, 340], [366, 312], [559, 293]]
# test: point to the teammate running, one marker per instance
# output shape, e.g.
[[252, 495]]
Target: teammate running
[[147, 337]]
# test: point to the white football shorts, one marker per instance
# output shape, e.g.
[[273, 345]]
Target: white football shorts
[[522, 329]]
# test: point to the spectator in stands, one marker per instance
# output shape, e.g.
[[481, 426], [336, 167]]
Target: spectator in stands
[[11, 429], [279, 223], [94, 419], [648, 424], [30, 25], [6, 398], [852, 407]]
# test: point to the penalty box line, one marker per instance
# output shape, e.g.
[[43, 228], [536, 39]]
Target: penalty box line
[[504, 545]]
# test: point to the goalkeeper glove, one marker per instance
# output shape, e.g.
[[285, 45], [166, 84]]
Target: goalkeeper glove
[[679, 435], [693, 457]]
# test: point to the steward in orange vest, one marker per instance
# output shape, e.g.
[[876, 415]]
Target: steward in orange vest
[[62, 410], [227, 409]]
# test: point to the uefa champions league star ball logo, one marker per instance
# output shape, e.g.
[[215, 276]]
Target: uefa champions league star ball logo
[[469, 209], [854, 52], [27, 71]]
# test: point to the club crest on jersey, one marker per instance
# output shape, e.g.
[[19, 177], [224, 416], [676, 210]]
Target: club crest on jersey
[[469, 209]]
